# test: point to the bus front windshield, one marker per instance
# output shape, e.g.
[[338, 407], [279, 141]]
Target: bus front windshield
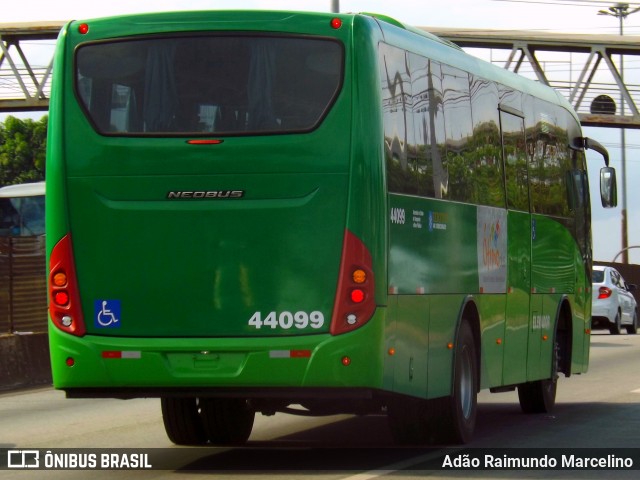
[[208, 84]]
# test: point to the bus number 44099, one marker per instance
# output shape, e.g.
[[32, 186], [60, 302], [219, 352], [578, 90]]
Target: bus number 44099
[[287, 320], [398, 216]]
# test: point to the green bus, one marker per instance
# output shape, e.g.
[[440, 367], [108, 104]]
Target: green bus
[[260, 212]]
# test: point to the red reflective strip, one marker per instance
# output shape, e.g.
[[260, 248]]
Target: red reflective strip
[[290, 354], [122, 354], [111, 354], [300, 353], [204, 142]]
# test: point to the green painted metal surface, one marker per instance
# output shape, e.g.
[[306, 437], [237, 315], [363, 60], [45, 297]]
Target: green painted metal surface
[[215, 291]]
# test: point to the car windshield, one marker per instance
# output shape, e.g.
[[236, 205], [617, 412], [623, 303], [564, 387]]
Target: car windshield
[[597, 276]]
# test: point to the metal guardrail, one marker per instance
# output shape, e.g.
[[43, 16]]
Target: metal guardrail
[[23, 285]]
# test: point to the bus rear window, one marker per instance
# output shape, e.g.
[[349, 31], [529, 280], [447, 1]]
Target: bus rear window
[[223, 85]]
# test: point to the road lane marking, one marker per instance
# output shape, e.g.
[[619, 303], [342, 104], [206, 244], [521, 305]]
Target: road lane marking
[[394, 467]]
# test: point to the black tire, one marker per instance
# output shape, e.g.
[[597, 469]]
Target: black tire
[[633, 328], [448, 420], [182, 421], [540, 396], [227, 421], [616, 327], [456, 414]]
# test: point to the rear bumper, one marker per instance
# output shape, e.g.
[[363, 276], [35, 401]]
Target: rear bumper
[[149, 367], [603, 313], [291, 394], [600, 322]]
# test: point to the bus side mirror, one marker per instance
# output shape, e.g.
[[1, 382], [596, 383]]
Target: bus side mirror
[[608, 187]]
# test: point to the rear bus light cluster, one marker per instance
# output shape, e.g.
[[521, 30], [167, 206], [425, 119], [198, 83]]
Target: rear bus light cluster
[[355, 296], [64, 301]]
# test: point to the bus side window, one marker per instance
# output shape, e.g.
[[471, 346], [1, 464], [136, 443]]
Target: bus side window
[[576, 181], [398, 132], [458, 160], [486, 146], [515, 161]]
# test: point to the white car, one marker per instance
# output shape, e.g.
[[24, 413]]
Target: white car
[[614, 306]]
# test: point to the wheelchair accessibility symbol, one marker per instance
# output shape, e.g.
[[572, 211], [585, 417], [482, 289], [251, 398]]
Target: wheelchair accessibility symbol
[[107, 313]]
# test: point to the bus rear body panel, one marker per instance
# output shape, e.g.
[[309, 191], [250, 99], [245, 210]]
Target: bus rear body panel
[[206, 175], [154, 367]]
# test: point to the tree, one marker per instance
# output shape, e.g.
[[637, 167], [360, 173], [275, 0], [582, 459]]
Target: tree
[[23, 146]]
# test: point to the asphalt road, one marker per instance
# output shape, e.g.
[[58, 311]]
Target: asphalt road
[[598, 410]]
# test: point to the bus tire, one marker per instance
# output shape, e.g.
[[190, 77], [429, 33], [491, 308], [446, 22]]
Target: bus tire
[[182, 421], [457, 413], [447, 420], [227, 421], [540, 396]]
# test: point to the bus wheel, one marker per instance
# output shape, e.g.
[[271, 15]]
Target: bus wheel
[[182, 421], [445, 420], [540, 396], [457, 413], [227, 421]]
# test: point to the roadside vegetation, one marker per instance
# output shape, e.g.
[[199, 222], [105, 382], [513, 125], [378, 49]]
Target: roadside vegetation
[[23, 144]]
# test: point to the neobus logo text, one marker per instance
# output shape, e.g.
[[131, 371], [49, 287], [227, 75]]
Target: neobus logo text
[[206, 194]]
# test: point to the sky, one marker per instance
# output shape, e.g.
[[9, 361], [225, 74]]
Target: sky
[[569, 16]]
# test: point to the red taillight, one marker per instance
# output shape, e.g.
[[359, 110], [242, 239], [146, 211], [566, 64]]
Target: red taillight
[[355, 296], [61, 298], [336, 23], [604, 292], [83, 28], [205, 141], [64, 301]]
